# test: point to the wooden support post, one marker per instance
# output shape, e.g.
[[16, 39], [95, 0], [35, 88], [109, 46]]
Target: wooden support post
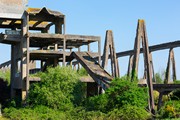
[[99, 51], [171, 59], [64, 26], [160, 100], [130, 65], [109, 47], [152, 67], [14, 68], [142, 35], [64, 51], [71, 61], [79, 50], [88, 49], [25, 56]]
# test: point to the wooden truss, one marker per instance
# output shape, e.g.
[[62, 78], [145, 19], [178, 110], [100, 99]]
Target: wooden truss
[[109, 47], [141, 36], [171, 60]]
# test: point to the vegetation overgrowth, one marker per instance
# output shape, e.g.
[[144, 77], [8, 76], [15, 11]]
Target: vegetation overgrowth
[[60, 95]]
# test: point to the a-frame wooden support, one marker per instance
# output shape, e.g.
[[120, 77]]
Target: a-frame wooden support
[[171, 59], [141, 35], [109, 47], [152, 69]]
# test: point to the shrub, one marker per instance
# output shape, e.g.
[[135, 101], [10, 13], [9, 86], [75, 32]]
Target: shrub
[[129, 112], [97, 103], [6, 76], [55, 89], [124, 92], [170, 109], [36, 113], [159, 79]]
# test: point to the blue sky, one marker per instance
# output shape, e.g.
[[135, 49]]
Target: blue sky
[[94, 17]]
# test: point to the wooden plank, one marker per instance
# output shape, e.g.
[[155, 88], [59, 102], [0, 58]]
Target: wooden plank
[[94, 69]]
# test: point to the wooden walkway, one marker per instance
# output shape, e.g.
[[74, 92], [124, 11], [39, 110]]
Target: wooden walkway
[[100, 76]]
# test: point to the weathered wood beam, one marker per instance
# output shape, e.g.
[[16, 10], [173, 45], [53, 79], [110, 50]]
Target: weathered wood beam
[[153, 48], [10, 39], [61, 36], [5, 64]]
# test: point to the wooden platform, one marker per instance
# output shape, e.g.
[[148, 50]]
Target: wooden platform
[[164, 87], [45, 39]]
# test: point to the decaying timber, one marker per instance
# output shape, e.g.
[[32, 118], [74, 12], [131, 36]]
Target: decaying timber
[[142, 36], [99, 75], [171, 60], [50, 49], [109, 47]]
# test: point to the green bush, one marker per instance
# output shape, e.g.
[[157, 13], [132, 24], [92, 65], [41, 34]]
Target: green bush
[[6, 75], [98, 103], [170, 109], [159, 79], [129, 112], [36, 113], [124, 92], [82, 72], [55, 89]]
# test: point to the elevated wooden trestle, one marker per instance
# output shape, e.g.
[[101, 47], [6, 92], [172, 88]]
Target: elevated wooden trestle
[[28, 33]]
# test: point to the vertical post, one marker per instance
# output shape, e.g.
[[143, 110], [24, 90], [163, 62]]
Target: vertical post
[[174, 66], [136, 51], [79, 50], [58, 30], [64, 51], [64, 25], [71, 61], [13, 69], [25, 56], [171, 59], [99, 51], [160, 100], [130, 65], [88, 49], [152, 67], [149, 73]]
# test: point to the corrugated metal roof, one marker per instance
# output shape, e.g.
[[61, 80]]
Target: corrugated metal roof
[[34, 11]]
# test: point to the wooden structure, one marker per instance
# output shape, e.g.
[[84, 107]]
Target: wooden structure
[[142, 36], [171, 59], [27, 46], [109, 47], [52, 48]]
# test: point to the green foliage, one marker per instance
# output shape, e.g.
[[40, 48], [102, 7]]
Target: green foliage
[[55, 89], [36, 113], [97, 103], [177, 82], [134, 76], [124, 99], [159, 79], [6, 76], [171, 109], [175, 95], [123, 92], [129, 112], [82, 72], [60, 95]]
